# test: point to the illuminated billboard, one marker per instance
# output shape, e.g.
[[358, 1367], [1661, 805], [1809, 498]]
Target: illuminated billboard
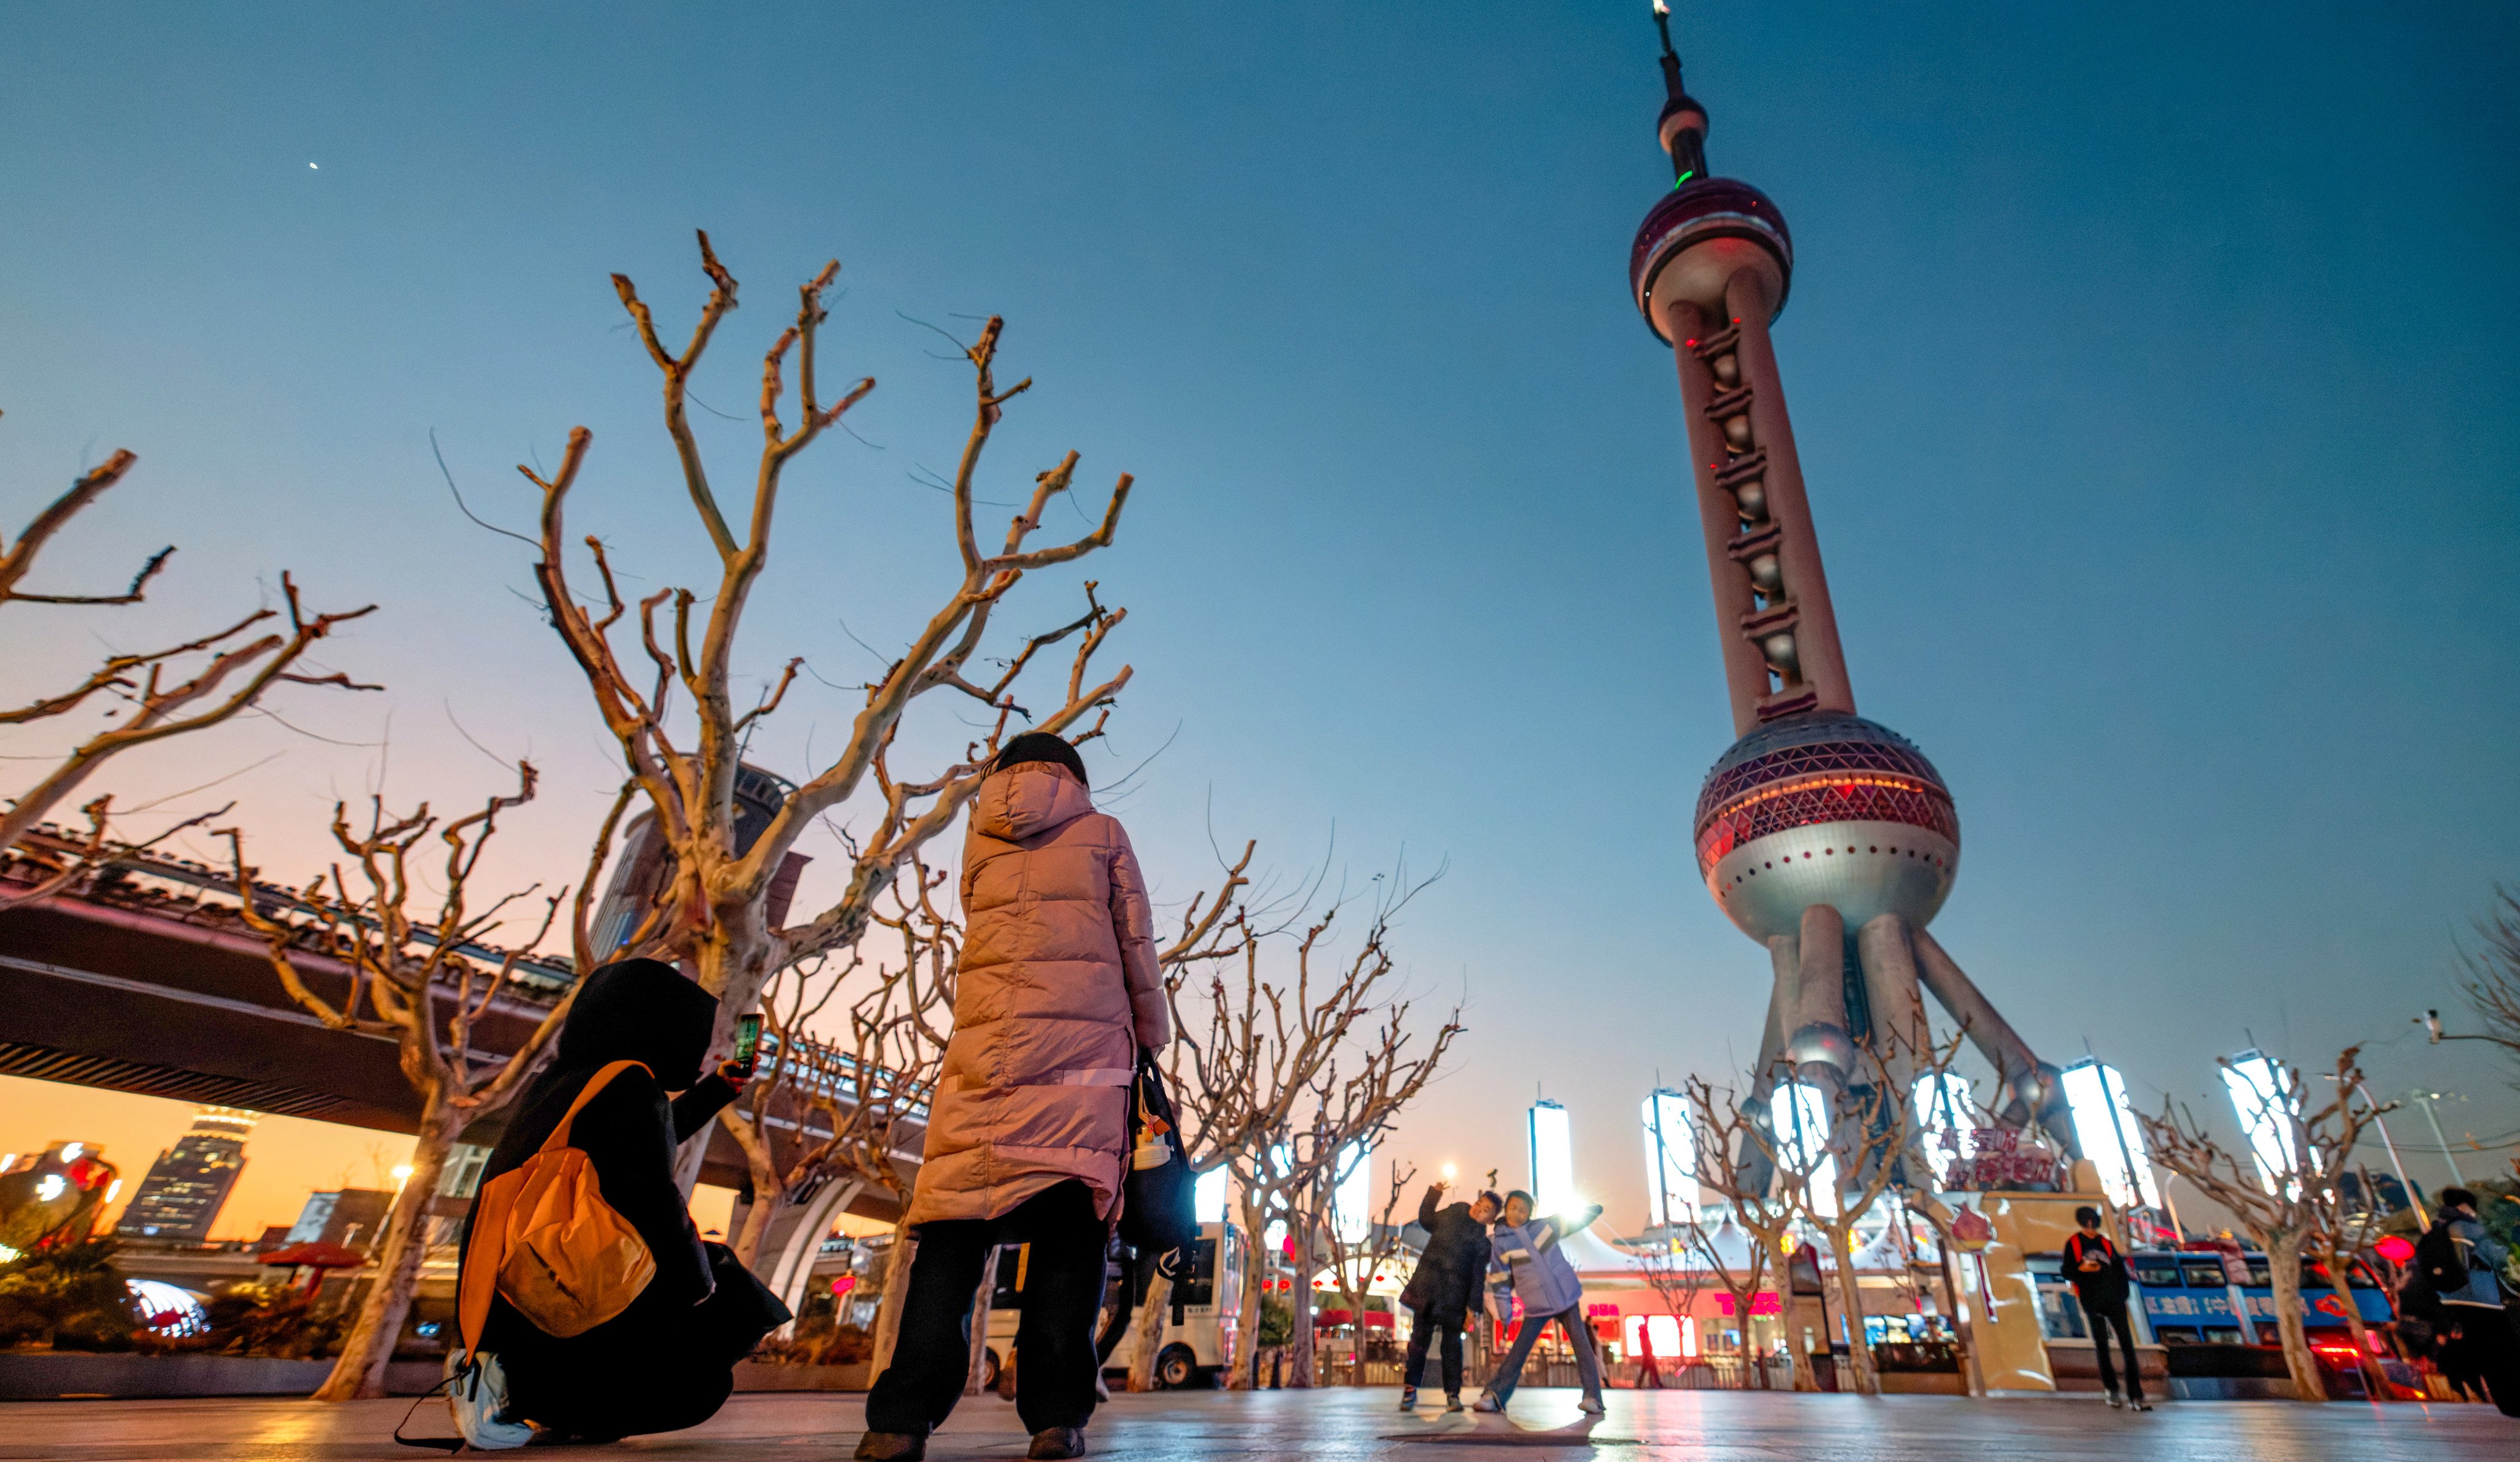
[[2261, 1094], [2106, 1125], [1671, 1161], [1553, 1159]]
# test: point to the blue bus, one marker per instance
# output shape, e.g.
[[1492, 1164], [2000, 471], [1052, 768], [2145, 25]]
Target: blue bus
[[2187, 1300]]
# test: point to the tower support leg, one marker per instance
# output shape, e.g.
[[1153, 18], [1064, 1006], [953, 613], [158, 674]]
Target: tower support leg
[[1901, 1035], [1818, 1045], [1785, 952], [2034, 1091]]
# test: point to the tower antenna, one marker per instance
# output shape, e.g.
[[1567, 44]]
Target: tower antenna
[[1683, 124]]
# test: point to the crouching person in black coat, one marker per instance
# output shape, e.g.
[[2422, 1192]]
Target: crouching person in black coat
[[1444, 1286], [667, 1361]]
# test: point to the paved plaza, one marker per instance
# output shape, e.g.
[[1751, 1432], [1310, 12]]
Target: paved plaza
[[1723, 1427]]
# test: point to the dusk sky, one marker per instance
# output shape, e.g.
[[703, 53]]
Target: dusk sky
[[2153, 370]]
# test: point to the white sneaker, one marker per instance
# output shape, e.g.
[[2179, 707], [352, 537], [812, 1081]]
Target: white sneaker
[[1591, 1406], [1487, 1403]]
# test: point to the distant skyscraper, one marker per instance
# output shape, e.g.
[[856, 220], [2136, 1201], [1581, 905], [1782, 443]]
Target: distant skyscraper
[[1827, 838], [190, 1182]]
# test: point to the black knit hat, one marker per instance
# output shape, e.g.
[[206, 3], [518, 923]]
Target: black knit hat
[[1041, 747]]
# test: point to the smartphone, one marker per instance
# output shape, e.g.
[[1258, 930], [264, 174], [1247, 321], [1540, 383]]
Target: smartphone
[[747, 1042]]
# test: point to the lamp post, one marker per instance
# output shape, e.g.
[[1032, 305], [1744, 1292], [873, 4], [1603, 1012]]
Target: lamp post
[[2427, 1099]]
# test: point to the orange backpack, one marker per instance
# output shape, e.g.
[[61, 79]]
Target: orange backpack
[[543, 1237]]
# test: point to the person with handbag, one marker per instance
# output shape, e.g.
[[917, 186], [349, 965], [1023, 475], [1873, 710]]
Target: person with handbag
[[665, 1359], [1028, 1141], [1443, 1287]]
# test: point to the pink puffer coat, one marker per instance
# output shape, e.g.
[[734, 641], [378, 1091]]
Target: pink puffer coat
[[1059, 988]]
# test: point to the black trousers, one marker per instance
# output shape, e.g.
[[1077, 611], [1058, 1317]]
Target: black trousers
[[673, 1373], [2104, 1318], [2488, 1347], [1062, 1291], [1423, 1330]]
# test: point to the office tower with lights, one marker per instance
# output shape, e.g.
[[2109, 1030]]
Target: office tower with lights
[[190, 1182], [1828, 838]]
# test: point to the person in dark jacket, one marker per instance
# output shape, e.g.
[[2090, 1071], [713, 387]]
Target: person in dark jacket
[[667, 1361], [1444, 1286], [2464, 1264], [2099, 1275]]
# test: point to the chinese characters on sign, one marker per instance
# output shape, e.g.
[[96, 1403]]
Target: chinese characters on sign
[[1996, 1158]]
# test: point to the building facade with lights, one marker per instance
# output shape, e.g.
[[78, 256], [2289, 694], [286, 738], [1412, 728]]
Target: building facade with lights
[[190, 1182]]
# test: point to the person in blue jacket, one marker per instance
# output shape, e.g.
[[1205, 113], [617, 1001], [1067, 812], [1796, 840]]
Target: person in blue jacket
[[1528, 1263]]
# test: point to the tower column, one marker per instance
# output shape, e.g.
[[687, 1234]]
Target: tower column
[[1822, 662], [1820, 1050], [1898, 1029], [2034, 1091], [1719, 518]]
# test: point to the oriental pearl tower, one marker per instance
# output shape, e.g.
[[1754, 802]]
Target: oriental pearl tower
[[1828, 838]]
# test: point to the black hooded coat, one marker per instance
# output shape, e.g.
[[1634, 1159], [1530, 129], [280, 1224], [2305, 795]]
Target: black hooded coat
[[666, 1361]]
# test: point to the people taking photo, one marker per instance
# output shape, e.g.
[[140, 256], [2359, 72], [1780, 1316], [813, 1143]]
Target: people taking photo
[[637, 1030], [1443, 1287], [1028, 1136], [2099, 1275], [1529, 1265]]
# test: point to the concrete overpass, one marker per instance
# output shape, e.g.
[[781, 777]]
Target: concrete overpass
[[149, 980]]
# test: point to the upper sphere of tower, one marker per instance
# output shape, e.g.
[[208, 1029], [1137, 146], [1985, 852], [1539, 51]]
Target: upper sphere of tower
[[1824, 807], [1698, 237]]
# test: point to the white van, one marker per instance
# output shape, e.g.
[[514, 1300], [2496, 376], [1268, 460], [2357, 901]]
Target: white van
[[1209, 1294]]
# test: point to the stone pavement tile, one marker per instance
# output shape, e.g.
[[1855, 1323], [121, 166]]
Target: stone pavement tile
[[1339, 1425]]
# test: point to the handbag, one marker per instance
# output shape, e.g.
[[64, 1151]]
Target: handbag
[[1158, 1213]]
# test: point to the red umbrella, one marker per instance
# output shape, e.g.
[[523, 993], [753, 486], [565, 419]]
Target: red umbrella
[[318, 1256]]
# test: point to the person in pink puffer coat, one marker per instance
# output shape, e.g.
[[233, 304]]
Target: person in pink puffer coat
[[1028, 1134]]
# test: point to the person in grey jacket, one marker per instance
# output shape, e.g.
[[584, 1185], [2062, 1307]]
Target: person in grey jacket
[[1529, 1265], [2472, 1295]]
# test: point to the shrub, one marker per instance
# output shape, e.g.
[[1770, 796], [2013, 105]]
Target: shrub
[[69, 1296]]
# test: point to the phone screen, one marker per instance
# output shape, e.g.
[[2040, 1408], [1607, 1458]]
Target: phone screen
[[747, 1042]]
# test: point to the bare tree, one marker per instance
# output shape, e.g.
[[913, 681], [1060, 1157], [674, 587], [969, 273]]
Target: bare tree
[[1353, 1266], [2294, 1206], [426, 978], [2493, 976], [1664, 1260], [1267, 1072], [712, 910], [1735, 1155], [156, 695]]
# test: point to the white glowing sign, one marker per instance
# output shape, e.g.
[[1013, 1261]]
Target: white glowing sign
[[1553, 1159], [1671, 1161], [2106, 1125], [2261, 1095], [1945, 1115], [1207, 1195], [1800, 1114], [1352, 1198]]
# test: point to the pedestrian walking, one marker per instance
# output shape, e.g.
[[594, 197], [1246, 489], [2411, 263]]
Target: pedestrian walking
[[2098, 1273], [1530, 1265], [1444, 1285], [666, 1361], [2464, 1264], [1028, 1136]]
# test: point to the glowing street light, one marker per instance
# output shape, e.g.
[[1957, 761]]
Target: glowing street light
[[2106, 1125], [1799, 1114], [1941, 1101], [2261, 1094], [1671, 1161], [1552, 1158]]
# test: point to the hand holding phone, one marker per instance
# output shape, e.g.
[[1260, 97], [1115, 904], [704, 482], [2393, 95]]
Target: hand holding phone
[[748, 1044]]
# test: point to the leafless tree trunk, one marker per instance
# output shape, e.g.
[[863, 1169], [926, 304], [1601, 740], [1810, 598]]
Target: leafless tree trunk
[[2284, 1212], [160, 694], [712, 911], [1353, 1267], [1733, 1149], [425, 979]]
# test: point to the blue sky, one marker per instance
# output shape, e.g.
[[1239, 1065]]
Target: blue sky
[[2150, 370]]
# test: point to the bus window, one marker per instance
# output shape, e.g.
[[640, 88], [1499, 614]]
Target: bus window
[[2204, 1274], [2154, 1274], [1198, 1281]]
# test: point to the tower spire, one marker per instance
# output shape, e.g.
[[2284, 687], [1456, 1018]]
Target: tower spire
[[1684, 121]]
